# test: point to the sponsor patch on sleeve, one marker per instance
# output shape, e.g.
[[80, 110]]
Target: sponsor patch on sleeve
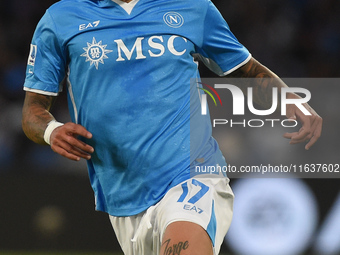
[[32, 56]]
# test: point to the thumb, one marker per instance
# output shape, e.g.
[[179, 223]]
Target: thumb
[[291, 113], [291, 117]]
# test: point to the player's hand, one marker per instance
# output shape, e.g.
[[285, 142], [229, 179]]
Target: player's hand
[[64, 141], [311, 125]]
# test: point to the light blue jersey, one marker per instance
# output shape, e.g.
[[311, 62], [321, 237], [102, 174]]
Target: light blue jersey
[[128, 69]]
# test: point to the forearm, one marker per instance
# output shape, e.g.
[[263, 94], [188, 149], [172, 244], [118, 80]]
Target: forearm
[[263, 81], [36, 116]]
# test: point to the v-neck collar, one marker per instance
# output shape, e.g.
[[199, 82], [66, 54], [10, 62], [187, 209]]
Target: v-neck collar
[[128, 7]]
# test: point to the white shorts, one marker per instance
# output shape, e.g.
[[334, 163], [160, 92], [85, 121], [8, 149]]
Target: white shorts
[[207, 202]]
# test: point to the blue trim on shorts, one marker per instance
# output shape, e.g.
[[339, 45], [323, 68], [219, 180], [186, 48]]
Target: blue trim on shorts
[[211, 228]]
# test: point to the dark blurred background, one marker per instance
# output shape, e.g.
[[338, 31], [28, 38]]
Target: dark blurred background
[[46, 201]]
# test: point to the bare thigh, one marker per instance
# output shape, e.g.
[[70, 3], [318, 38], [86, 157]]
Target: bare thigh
[[186, 238]]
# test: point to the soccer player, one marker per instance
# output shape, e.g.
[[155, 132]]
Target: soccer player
[[136, 115]]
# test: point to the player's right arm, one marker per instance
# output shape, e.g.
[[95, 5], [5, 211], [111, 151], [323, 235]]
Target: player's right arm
[[63, 139]]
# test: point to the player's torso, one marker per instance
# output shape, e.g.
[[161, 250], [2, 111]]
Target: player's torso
[[133, 72]]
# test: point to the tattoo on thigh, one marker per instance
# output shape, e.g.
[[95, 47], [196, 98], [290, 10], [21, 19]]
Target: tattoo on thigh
[[174, 249]]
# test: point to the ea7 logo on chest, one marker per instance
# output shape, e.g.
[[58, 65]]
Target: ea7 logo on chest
[[89, 25]]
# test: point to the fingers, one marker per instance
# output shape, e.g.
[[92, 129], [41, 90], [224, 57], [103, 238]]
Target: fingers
[[71, 150], [64, 141], [311, 142], [70, 153], [309, 132], [316, 134]]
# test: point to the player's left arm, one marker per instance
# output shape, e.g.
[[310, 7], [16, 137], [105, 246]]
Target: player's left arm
[[265, 81]]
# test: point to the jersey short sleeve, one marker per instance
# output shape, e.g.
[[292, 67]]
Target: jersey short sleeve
[[47, 60], [220, 50]]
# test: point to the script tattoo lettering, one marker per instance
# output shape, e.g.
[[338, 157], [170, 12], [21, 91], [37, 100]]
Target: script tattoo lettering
[[175, 249]]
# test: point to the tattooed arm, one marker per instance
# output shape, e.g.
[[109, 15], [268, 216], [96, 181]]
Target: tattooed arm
[[262, 86], [35, 117]]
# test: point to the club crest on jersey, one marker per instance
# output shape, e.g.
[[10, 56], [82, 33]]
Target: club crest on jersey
[[173, 19], [95, 53]]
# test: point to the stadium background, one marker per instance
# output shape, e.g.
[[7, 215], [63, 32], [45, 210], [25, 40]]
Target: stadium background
[[46, 201]]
